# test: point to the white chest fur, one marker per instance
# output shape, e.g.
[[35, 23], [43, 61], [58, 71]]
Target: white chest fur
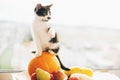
[[41, 29]]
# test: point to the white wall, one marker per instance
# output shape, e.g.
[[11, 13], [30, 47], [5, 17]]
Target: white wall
[[101, 13], [104, 13]]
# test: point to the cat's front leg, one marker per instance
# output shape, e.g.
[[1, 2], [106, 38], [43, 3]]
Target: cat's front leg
[[51, 32]]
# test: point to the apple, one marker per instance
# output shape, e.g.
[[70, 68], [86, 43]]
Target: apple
[[60, 75], [51, 77], [74, 78], [33, 76], [80, 77]]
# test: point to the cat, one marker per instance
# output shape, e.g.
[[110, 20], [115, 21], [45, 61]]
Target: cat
[[45, 36]]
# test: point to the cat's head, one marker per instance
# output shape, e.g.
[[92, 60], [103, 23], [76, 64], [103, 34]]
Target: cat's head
[[43, 12]]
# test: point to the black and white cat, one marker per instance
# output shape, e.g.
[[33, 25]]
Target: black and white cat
[[44, 35]]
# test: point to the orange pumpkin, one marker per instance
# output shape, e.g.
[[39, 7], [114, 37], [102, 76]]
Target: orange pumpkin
[[46, 61]]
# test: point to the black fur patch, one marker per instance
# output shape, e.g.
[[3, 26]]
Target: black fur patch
[[47, 49], [55, 50], [43, 11], [48, 29], [55, 39]]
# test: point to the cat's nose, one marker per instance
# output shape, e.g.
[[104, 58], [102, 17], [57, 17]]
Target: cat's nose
[[48, 17]]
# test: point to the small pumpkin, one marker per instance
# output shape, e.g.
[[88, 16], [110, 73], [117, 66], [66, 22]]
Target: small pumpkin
[[46, 61]]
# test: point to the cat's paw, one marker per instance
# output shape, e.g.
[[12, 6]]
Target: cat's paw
[[37, 55], [51, 52]]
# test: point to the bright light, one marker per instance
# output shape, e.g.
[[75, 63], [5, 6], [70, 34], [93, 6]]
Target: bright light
[[101, 13]]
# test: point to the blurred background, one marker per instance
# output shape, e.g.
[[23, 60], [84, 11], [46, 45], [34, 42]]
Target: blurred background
[[89, 32]]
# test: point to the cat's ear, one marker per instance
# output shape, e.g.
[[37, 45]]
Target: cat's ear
[[38, 6], [49, 5]]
